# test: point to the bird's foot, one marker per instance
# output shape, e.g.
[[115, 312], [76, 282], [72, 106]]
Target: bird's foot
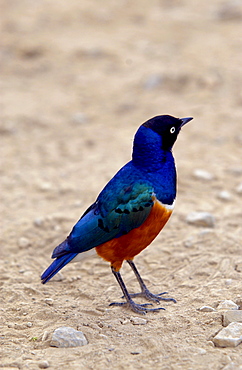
[[153, 297], [137, 308]]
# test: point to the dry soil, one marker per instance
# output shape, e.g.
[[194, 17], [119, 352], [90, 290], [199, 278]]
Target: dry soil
[[76, 80]]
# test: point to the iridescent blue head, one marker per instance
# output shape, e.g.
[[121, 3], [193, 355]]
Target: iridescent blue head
[[154, 140], [167, 127]]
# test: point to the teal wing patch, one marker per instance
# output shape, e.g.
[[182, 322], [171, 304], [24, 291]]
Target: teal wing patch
[[129, 210], [109, 217]]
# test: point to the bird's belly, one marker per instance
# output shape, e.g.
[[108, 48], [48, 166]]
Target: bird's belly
[[128, 246]]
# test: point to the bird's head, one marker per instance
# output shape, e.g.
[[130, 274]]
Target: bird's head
[[155, 139], [167, 127]]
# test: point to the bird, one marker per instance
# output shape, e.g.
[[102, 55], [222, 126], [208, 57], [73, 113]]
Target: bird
[[130, 211]]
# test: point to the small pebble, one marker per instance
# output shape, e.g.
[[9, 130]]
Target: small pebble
[[239, 189], [231, 336], [153, 81], [102, 336], [38, 221], [45, 336], [49, 301], [43, 364], [29, 324], [138, 321], [45, 186], [205, 232], [124, 321], [227, 305], [23, 242], [68, 337], [189, 242], [201, 351], [232, 316], [207, 309], [204, 219], [58, 277], [224, 195], [236, 171], [80, 118], [203, 175], [228, 282]]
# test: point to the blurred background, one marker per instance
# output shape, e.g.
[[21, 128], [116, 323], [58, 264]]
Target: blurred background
[[77, 78]]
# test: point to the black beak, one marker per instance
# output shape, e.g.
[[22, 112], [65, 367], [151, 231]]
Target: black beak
[[185, 120]]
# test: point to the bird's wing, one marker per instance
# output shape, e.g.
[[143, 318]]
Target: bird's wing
[[111, 216]]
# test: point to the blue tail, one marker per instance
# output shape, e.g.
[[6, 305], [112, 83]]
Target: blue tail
[[56, 266]]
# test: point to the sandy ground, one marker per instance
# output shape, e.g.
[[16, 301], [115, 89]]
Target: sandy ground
[[77, 78]]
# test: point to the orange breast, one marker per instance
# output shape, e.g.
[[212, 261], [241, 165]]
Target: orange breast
[[128, 246]]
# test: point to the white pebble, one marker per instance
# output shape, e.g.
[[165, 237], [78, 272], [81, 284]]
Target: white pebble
[[58, 277], [232, 316], [239, 188], [102, 336], [80, 118], [29, 324], [49, 301], [204, 219], [224, 195], [227, 305], [23, 242], [201, 351], [203, 175], [230, 336], [68, 337], [124, 321], [189, 242], [45, 186], [45, 336], [236, 171], [43, 364], [207, 309], [228, 282], [39, 221], [138, 321], [205, 232], [153, 81]]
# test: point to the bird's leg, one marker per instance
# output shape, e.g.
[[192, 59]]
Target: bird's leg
[[144, 290], [138, 308]]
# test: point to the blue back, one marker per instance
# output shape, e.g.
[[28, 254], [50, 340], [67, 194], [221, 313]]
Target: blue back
[[126, 201]]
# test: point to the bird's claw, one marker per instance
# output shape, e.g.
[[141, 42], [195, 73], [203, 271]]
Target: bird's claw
[[152, 297], [137, 308]]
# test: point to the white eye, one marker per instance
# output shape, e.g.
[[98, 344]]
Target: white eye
[[172, 130]]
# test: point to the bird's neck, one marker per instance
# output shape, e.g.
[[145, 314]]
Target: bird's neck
[[147, 151]]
